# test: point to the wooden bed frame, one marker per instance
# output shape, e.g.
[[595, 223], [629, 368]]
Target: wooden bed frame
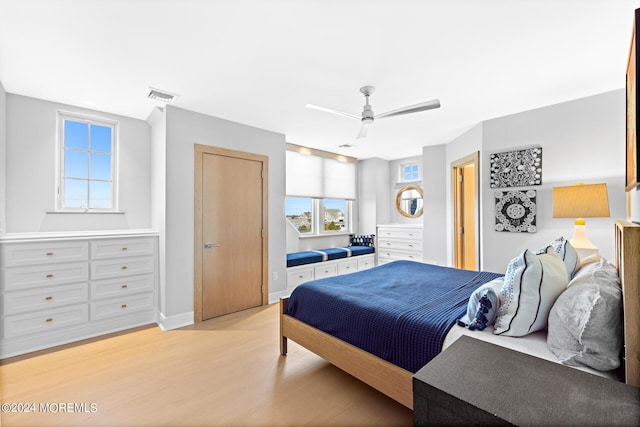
[[397, 383]]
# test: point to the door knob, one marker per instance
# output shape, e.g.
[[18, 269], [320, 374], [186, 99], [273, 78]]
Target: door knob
[[209, 245]]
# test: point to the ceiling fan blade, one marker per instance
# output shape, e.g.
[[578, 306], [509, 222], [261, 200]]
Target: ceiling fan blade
[[427, 105], [363, 131], [332, 111]]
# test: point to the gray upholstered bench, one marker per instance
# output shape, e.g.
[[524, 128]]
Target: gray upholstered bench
[[473, 382]]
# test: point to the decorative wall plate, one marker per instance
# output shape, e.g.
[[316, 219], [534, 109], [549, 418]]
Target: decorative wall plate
[[518, 168], [516, 211]]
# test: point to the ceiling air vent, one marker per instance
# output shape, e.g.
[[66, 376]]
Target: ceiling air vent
[[160, 95]]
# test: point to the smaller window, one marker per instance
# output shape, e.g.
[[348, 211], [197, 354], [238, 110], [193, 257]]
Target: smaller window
[[299, 212], [410, 172], [87, 177]]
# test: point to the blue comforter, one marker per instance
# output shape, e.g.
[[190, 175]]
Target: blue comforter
[[399, 311]]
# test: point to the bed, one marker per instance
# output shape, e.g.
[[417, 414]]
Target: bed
[[392, 376]]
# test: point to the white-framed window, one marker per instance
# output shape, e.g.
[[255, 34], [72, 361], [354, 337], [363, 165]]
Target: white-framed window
[[87, 178], [315, 217], [335, 215], [300, 213], [320, 192], [410, 172]]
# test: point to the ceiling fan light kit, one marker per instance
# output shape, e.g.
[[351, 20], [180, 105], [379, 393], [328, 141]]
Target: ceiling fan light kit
[[367, 116]]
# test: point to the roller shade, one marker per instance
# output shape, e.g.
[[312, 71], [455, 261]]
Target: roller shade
[[320, 177]]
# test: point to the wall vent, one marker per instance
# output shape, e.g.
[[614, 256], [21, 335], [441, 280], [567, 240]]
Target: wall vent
[[161, 95]]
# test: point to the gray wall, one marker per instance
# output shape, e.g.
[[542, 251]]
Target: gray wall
[[3, 158], [434, 218], [31, 174], [157, 122], [581, 140], [373, 194], [183, 130]]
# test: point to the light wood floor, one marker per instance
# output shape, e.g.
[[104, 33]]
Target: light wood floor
[[226, 371]]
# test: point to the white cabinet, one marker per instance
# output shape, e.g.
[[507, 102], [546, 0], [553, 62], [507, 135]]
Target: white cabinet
[[63, 289], [319, 270], [399, 241]]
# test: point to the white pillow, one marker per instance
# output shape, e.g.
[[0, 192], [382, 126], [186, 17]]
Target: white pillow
[[532, 284], [492, 291], [567, 254]]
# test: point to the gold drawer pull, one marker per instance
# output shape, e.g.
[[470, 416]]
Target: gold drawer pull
[[49, 253], [49, 320], [124, 286], [49, 276], [124, 267], [124, 249], [48, 298], [124, 306]]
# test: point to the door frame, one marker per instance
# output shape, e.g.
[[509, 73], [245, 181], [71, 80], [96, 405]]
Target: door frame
[[198, 240], [473, 158]]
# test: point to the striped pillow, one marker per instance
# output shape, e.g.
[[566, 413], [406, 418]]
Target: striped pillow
[[532, 284]]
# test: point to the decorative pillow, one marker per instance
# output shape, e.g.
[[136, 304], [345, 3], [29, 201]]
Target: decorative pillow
[[585, 326], [362, 239], [531, 285], [483, 306], [567, 254]]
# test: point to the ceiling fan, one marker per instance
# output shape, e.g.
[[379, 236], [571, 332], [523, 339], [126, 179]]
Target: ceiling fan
[[367, 117]]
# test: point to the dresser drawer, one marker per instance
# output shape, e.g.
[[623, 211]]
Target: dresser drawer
[[399, 233], [113, 248], [390, 255], [121, 306], [105, 269], [42, 299], [366, 262], [325, 271], [45, 320], [297, 275], [402, 245], [16, 254], [44, 275], [108, 288], [347, 266]]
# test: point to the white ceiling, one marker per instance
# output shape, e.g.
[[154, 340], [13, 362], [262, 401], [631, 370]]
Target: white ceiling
[[259, 62]]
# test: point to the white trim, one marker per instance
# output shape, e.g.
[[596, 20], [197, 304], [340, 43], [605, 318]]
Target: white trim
[[175, 321]]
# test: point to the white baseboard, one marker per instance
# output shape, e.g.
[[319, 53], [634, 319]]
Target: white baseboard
[[275, 296], [176, 321]]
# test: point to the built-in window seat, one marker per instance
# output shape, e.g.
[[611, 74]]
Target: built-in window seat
[[309, 257], [310, 265]]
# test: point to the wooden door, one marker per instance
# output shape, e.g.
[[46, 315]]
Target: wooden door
[[465, 211], [232, 237]]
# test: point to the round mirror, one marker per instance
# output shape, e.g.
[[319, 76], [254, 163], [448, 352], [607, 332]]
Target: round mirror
[[409, 201]]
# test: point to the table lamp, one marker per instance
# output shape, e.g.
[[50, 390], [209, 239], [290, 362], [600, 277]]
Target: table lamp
[[581, 201]]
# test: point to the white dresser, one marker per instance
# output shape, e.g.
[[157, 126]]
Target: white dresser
[[399, 241], [58, 289]]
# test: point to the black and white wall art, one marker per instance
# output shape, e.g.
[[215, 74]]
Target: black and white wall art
[[516, 211], [519, 168]]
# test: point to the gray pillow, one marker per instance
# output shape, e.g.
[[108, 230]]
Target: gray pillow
[[585, 327]]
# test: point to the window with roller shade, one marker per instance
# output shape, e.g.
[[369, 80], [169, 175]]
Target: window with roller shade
[[326, 186]]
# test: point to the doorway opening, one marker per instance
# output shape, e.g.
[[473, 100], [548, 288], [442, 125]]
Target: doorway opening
[[466, 212]]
